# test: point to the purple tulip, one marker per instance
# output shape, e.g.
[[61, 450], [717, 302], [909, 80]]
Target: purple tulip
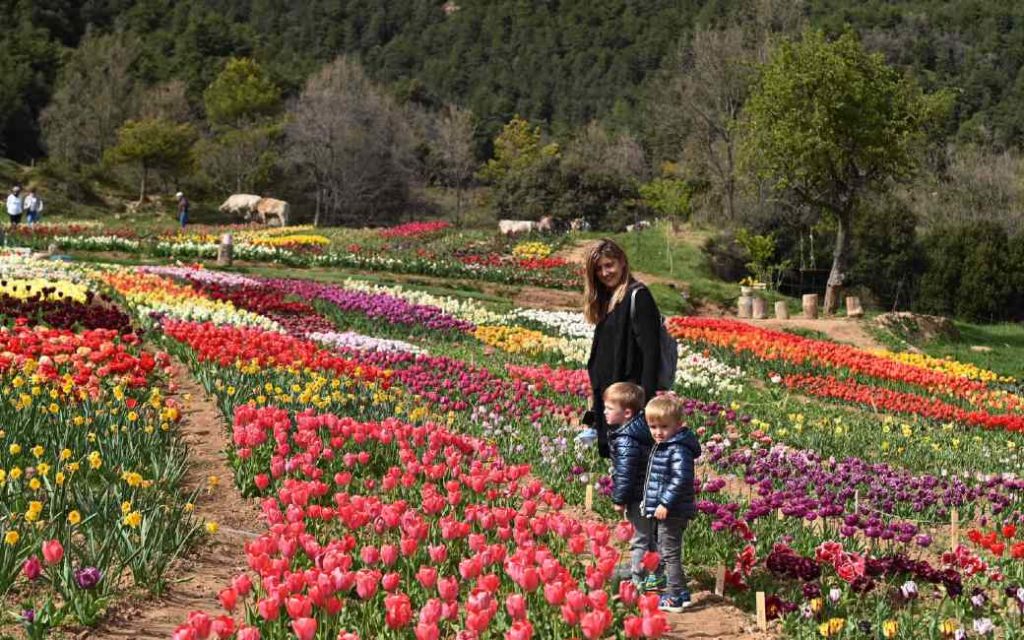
[[87, 578]]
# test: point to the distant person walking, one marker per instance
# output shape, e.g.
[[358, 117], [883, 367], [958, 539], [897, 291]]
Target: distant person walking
[[182, 208], [33, 206], [14, 205]]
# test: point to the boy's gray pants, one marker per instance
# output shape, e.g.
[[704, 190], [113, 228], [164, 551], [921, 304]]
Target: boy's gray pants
[[665, 537]]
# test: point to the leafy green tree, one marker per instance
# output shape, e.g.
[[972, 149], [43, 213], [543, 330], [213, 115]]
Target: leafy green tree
[[153, 145], [242, 93], [524, 171], [669, 198], [242, 104], [829, 123]]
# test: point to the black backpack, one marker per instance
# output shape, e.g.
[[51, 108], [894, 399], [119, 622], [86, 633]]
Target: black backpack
[[667, 345]]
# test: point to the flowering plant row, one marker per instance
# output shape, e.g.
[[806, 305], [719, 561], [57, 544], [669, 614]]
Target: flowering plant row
[[839, 371], [486, 552], [90, 466]]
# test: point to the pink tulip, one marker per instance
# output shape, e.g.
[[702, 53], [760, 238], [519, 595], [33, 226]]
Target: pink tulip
[[201, 622], [304, 628], [32, 568], [53, 551], [248, 633]]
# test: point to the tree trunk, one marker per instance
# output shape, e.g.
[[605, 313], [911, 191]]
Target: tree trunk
[[142, 187], [458, 204], [316, 214], [840, 259]]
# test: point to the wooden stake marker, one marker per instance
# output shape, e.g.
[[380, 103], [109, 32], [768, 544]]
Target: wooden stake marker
[[720, 580], [762, 612], [954, 529], [856, 501], [588, 501]]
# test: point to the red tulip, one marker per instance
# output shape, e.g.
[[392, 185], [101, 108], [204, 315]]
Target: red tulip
[[651, 560], [53, 551], [185, 632], [427, 631], [304, 628], [201, 622], [32, 568], [554, 593], [427, 576], [520, 630], [298, 607], [228, 598], [388, 554], [223, 627], [633, 627], [248, 633], [515, 604], [398, 610], [269, 608], [448, 588]]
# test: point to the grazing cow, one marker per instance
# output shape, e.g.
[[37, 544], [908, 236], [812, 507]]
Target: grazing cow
[[241, 203], [273, 212], [513, 227], [643, 224]]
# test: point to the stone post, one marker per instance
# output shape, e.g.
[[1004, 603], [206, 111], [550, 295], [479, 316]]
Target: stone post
[[853, 308], [781, 310], [225, 250], [745, 306], [760, 310], [811, 306]]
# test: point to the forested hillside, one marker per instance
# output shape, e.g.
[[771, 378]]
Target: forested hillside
[[563, 62]]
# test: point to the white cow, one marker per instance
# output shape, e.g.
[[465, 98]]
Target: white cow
[[241, 203], [512, 227], [273, 212]]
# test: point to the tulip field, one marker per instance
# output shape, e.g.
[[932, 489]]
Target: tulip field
[[413, 458]]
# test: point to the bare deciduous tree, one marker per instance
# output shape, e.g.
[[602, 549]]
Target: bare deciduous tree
[[352, 141], [699, 103], [453, 145], [601, 152], [974, 185], [94, 96]]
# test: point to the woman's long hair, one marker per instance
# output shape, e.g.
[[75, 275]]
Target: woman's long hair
[[598, 301]]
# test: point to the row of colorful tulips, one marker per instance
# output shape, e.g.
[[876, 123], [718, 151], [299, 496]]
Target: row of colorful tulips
[[842, 372], [91, 464]]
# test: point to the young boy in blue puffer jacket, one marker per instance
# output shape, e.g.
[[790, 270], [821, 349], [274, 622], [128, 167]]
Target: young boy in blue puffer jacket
[[668, 494], [629, 444]]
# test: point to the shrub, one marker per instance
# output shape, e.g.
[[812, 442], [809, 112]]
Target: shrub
[[972, 271]]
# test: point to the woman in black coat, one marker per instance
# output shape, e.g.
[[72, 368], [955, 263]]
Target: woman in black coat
[[626, 345]]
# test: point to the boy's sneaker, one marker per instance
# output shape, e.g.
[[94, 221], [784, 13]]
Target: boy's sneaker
[[587, 436], [655, 582], [676, 603]]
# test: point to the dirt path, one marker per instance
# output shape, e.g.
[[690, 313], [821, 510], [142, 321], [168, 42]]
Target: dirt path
[[213, 566]]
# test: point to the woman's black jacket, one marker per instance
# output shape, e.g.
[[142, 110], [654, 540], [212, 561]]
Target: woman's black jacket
[[626, 348]]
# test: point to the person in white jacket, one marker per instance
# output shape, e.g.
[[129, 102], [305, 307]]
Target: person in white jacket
[[33, 206], [14, 205]]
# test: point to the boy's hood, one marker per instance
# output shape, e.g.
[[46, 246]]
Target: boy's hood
[[688, 440], [637, 429]]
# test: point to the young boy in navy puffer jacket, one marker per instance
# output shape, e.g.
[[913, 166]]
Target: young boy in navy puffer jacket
[[629, 443], [668, 494]]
